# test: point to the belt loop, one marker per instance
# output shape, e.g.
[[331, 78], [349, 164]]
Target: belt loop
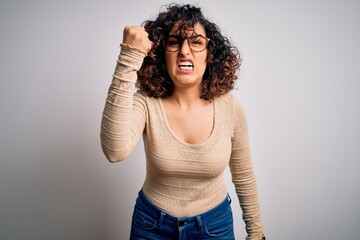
[[229, 198], [198, 218], [162, 214]]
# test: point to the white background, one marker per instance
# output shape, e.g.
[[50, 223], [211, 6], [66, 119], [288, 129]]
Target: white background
[[299, 83]]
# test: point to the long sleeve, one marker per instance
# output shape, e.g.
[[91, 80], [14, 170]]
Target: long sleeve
[[124, 114], [243, 175]]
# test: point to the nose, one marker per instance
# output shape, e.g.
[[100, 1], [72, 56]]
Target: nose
[[185, 48]]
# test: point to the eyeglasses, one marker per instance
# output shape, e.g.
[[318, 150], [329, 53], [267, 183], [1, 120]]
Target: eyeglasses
[[197, 43]]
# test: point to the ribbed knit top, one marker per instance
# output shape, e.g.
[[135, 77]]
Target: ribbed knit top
[[182, 179]]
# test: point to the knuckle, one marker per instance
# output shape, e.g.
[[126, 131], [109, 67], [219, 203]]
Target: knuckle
[[126, 28]]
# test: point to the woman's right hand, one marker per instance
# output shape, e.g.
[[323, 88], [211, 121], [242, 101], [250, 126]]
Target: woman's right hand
[[137, 37]]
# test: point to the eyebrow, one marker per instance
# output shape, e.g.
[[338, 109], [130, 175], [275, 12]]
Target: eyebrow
[[178, 36]]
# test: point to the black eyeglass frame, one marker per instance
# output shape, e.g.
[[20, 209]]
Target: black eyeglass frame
[[182, 40]]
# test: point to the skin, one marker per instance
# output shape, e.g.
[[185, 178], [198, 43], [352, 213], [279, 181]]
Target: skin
[[190, 118], [137, 37], [184, 79]]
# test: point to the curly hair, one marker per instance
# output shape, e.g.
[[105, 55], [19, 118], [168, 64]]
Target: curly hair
[[223, 59]]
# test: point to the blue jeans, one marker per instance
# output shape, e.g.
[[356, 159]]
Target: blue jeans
[[151, 223]]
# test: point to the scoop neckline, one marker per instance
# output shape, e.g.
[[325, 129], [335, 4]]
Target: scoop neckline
[[214, 127]]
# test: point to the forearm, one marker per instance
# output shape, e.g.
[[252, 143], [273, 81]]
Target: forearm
[[246, 190], [120, 127]]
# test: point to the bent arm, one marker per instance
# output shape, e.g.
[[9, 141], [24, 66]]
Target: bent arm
[[123, 118], [243, 176]]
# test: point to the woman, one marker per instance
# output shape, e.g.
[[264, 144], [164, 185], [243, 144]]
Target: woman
[[192, 128]]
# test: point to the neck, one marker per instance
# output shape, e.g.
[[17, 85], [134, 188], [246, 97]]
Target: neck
[[186, 98]]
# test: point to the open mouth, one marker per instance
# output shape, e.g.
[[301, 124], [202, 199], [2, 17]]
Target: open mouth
[[187, 65]]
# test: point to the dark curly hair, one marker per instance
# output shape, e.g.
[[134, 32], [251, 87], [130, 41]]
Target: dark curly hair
[[223, 59]]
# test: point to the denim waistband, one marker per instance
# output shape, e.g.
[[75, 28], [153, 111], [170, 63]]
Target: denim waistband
[[203, 217]]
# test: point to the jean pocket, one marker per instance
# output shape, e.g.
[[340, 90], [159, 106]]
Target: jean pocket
[[222, 226], [142, 219]]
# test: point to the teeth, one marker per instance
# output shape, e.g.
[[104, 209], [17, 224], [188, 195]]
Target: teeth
[[185, 65]]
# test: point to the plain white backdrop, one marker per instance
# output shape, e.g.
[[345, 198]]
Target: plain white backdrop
[[299, 84]]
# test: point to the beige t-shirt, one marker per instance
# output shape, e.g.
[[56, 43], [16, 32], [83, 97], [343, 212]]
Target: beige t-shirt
[[182, 179]]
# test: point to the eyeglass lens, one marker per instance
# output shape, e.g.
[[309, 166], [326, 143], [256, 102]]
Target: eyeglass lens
[[197, 43]]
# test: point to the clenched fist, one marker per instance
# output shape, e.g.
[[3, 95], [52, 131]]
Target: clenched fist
[[137, 37]]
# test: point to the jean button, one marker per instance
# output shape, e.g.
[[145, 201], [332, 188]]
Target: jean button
[[181, 223]]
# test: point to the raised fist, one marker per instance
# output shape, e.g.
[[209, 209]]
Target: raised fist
[[137, 37]]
